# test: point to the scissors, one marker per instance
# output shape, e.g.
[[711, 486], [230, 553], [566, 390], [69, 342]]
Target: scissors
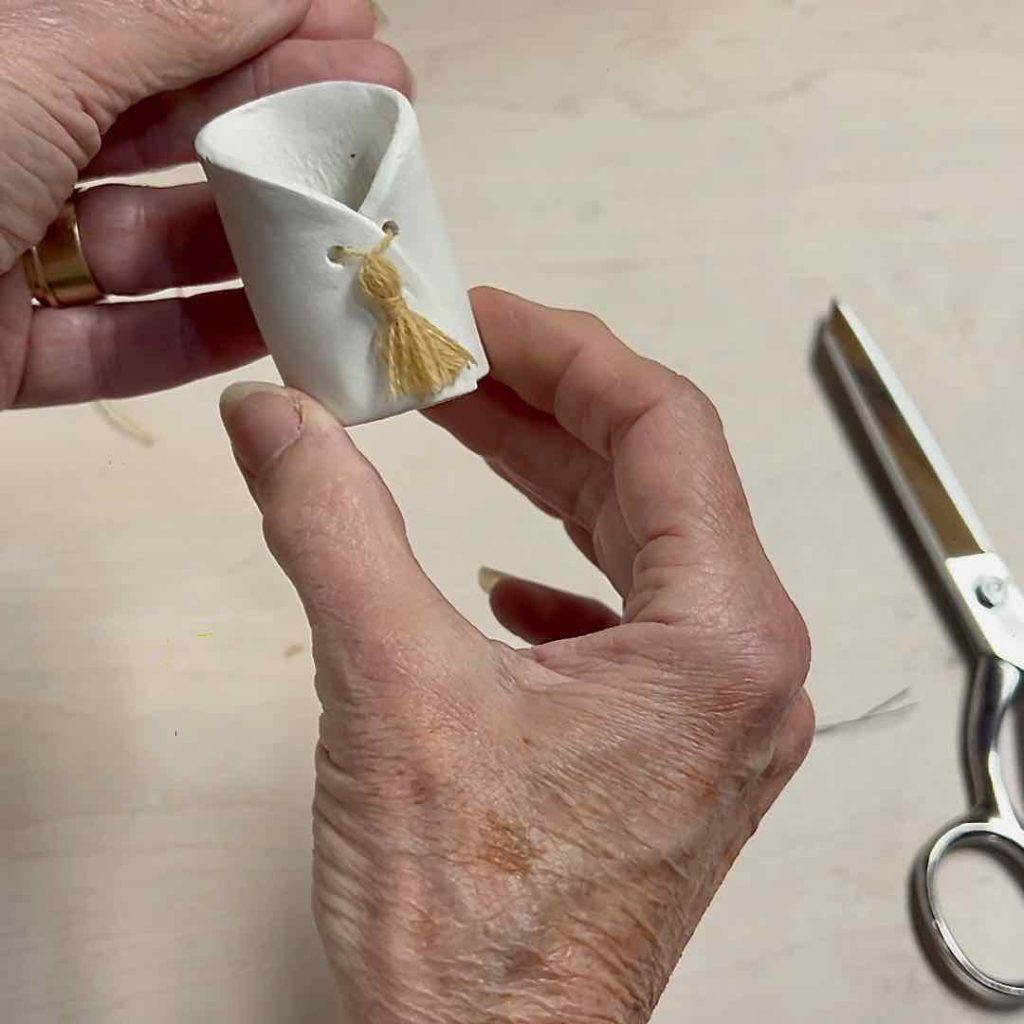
[[989, 604]]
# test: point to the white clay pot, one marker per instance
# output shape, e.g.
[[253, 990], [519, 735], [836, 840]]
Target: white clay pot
[[296, 175]]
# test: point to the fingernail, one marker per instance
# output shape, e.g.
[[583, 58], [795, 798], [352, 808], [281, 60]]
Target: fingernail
[[262, 420], [489, 578]]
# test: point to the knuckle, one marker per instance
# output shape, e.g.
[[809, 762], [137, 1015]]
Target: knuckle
[[694, 408], [222, 31], [210, 21], [762, 651], [798, 733], [116, 231], [44, 142], [589, 323], [781, 652]]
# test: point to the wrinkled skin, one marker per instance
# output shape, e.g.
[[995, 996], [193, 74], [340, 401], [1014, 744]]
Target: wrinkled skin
[[500, 835], [92, 88], [532, 835]]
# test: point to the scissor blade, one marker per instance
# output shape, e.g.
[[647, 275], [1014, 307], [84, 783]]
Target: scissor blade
[[922, 478], [991, 604]]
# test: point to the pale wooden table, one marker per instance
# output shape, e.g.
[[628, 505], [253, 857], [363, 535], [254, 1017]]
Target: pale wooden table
[[705, 175]]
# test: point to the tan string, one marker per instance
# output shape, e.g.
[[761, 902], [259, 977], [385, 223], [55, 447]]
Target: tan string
[[124, 424], [421, 359]]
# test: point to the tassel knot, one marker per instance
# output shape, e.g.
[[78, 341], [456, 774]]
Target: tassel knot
[[421, 359]]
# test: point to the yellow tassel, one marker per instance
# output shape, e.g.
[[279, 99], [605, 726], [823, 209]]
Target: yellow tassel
[[421, 359]]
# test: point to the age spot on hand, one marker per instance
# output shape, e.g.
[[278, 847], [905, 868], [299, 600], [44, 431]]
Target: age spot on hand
[[506, 845]]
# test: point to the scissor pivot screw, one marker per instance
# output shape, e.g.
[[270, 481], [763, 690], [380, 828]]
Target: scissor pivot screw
[[991, 591]]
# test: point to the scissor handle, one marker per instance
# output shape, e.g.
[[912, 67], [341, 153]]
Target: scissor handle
[[996, 687], [993, 825], [1001, 837]]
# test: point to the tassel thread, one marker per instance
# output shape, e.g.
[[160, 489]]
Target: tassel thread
[[421, 360]]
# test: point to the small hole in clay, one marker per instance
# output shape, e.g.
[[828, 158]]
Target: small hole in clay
[[389, 227], [337, 254]]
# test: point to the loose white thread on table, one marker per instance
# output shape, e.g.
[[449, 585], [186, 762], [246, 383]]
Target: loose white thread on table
[[124, 424], [893, 705]]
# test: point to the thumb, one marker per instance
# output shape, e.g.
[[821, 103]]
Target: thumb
[[334, 528], [137, 48], [79, 66]]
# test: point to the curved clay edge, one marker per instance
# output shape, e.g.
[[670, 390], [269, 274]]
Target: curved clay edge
[[382, 175]]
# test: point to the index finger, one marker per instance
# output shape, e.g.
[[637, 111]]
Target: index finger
[[673, 474], [160, 131], [569, 364]]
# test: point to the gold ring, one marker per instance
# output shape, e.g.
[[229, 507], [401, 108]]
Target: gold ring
[[56, 268]]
